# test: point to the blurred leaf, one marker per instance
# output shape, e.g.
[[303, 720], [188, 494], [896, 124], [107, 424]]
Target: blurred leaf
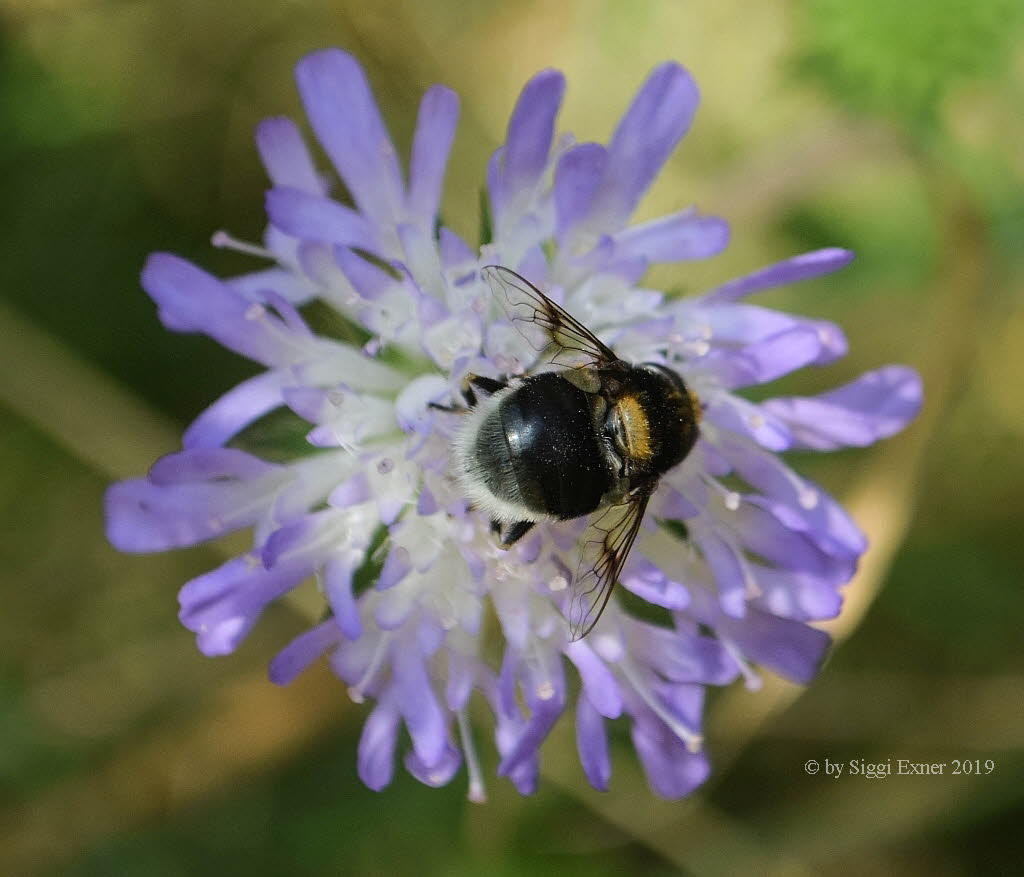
[[902, 58], [27, 761], [42, 110], [895, 241]]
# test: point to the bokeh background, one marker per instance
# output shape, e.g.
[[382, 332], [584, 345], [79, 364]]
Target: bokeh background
[[894, 129]]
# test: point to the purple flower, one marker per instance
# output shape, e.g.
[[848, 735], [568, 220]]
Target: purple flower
[[738, 551]]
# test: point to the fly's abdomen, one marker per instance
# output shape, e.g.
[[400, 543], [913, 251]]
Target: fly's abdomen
[[540, 448]]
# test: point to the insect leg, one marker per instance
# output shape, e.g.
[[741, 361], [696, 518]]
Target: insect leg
[[471, 383], [485, 384], [448, 409], [513, 533]]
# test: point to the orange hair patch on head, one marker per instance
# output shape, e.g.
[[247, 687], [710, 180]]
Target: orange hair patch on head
[[636, 428]]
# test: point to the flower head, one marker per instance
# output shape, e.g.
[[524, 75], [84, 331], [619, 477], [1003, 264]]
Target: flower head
[[737, 551]]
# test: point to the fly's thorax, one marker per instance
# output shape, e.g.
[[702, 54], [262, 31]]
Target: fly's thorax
[[652, 418]]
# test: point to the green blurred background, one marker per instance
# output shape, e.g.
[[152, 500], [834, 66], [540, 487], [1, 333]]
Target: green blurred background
[[894, 129]]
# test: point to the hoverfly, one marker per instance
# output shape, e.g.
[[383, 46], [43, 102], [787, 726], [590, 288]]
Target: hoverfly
[[592, 439]]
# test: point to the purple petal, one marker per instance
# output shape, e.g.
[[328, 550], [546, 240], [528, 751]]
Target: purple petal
[[292, 537], [419, 705], [683, 701], [344, 115], [315, 218], [733, 324], [435, 775], [288, 313], [312, 403], [286, 157], [801, 267], [528, 142], [649, 582], [506, 687], [525, 776], [736, 414], [221, 606], [190, 299], [743, 324], [796, 595], [711, 461], [578, 177], [765, 360], [876, 405], [592, 744], [427, 503], [827, 523], [376, 758], [657, 119], [537, 728], [799, 503], [728, 568], [764, 534], [673, 505], [460, 678], [235, 410], [369, 280], [396, 567], [352, 491], [454, 250], [508, 729], [672, 770], [143, 516], [679, 237], [679, 656], [788, 647], [544, 689], [205, 464], [302, 651], [599, 684], [354, 662], [435, 130], [430, 635], [293, 287], [833, 341], [338, 589]]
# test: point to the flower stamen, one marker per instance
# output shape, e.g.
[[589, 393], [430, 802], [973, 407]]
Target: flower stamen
[[225, 241], [477, 790], [751, 679], [694, 742]]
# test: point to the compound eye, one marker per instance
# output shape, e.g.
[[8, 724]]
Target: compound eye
[[613, 428], [615, 431]]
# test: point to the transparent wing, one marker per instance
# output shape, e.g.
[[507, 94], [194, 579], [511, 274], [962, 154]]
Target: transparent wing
[[606, 546], [547, 327]]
